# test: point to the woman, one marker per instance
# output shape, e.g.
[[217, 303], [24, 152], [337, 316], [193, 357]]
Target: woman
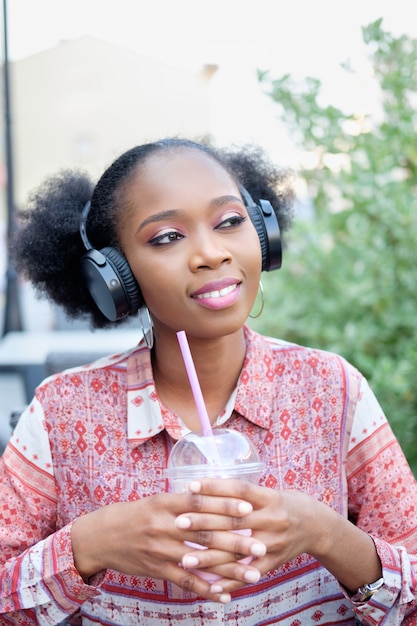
[[88, 528]]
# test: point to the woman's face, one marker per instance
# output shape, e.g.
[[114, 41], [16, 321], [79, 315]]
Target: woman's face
[[191, 245]]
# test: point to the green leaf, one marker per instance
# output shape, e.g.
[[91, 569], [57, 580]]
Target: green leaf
[[348, 281]]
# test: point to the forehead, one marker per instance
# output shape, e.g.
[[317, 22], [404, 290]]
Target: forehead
[[173, 180], [178, 169]]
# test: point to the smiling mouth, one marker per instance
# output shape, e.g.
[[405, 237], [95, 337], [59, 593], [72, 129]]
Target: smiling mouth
[[218, 293]]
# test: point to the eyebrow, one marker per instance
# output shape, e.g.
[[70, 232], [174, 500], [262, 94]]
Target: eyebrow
[[158, 217], [164, 215]]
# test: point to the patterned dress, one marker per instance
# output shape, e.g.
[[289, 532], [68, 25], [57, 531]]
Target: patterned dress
[[99, 434]]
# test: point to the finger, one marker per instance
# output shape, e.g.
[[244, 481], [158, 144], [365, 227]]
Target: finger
[[228, 584], [225, 487], [222, 565], [203, 521], [193, 583], [228, 504], [209, 558], [235, 543]]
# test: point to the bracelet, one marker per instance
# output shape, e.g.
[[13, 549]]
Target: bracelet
[[366, 592]]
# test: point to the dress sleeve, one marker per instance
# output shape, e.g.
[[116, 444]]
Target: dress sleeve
[[382, 494], [39, 583]]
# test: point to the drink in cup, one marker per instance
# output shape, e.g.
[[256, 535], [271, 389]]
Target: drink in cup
[[225, 453]]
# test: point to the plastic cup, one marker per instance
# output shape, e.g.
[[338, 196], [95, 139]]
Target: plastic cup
[[225, 454]]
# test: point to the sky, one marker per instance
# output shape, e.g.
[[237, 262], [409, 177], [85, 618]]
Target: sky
[[299, 34], [303, 37]]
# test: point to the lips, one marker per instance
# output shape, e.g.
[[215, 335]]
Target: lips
[[218, 294]]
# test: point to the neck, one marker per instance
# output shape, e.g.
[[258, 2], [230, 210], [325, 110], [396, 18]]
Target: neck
[[218, 363]]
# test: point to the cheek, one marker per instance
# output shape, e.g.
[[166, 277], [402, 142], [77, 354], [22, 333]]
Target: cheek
[[253, 251], [157, 282]]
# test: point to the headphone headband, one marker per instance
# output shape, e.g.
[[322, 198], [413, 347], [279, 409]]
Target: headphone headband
[[83, 226]]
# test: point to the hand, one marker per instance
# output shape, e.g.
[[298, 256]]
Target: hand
[[284, 522], [141, 538]]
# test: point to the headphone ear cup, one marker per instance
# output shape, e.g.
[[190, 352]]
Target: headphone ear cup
[[265, 221], [128, 281], [258, 222], [266, 224], [111, 283]]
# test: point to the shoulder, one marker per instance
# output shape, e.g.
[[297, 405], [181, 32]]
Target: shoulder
[[102, 376], [281, 347], [292, 357]]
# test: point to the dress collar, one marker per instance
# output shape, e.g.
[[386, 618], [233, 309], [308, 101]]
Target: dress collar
[[252, 398]]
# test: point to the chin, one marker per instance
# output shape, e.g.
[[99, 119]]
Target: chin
[[225, 327]]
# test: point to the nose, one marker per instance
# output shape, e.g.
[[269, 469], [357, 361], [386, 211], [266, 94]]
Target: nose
[[208, 250]]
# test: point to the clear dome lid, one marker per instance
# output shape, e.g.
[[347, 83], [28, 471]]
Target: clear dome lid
[[227, 453]]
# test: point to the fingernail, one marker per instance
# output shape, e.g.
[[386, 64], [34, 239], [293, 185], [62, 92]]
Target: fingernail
[[191, 561], [258, 549], [252, 576], [225, 598], [183, 522], [216, 588], [245, 507], [194, 486]]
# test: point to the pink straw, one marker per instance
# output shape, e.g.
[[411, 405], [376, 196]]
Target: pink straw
[[195, 385], [213, 458]]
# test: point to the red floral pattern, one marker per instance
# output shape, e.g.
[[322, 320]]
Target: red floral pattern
[[99, 434]]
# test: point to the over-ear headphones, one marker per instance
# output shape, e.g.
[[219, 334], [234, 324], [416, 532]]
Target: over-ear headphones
[[115, 290], [108, 277], [266, 223]]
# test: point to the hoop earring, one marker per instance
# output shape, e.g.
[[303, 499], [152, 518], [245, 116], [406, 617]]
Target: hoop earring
[[147, 327], [261, 289]]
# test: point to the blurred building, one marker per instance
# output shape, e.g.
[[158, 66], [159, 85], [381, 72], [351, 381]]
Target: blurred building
[[84, 102]]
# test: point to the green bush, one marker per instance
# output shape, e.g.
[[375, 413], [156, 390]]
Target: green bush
[[348, 282]]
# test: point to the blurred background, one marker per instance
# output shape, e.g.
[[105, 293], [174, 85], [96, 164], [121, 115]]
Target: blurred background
[[325, 88]]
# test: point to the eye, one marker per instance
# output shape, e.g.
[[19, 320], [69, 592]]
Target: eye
[[165, 238], [232, 221]]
